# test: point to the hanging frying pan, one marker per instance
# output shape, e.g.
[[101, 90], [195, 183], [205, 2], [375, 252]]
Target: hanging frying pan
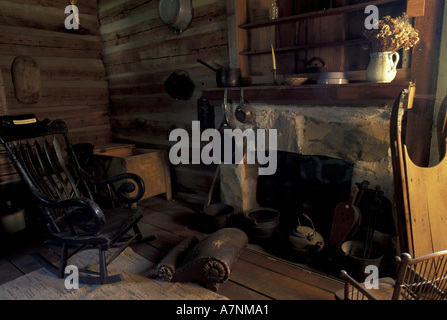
[[176, 14]]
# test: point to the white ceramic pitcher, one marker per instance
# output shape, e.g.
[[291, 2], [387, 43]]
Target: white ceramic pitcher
[[382, 67]]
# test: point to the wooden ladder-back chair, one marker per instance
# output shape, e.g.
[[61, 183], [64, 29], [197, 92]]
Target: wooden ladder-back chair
[[421, 212], [43, 157], [421, 204], [423, 278]]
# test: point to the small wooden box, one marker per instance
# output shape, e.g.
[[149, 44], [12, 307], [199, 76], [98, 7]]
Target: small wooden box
[[150, 164]]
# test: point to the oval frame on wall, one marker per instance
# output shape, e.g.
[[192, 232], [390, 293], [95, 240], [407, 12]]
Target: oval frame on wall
[[26, 79]]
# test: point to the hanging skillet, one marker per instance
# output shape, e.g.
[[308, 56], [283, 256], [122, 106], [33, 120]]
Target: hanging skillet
[[176, 14]]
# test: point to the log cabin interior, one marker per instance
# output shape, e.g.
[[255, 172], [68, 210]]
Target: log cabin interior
[[126, 76]]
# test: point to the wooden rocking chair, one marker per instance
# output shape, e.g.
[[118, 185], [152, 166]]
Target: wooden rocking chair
[[43, 157], [423, 278]]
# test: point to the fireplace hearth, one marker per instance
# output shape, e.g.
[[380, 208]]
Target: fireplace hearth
[[310, 185]]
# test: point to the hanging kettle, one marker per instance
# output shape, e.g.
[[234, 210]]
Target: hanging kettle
[[306, 241]]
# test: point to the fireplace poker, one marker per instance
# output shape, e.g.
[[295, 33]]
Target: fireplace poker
[[374, 209], [216, 174]]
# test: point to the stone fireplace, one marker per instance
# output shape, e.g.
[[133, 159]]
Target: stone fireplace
[[329, 139], [357, 136], [323, 151]]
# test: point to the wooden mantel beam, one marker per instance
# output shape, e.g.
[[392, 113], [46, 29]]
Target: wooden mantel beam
[[360, 94]]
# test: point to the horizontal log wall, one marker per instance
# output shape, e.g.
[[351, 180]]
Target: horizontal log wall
[[140, 53], [73, 83]]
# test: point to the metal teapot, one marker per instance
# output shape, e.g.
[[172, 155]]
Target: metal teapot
[[306, 241], [315, 68]]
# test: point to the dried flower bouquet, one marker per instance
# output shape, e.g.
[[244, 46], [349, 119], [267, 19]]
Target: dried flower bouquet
[[393, 34]]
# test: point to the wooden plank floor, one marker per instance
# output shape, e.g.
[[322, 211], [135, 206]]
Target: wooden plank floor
[[255, 276]]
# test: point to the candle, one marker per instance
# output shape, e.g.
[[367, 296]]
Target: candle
[[273, 57]]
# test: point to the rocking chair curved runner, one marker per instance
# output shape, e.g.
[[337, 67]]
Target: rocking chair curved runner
[[44, 159]]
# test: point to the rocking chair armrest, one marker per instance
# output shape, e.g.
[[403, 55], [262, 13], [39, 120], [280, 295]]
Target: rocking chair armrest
[[85, 213], [136, 183]]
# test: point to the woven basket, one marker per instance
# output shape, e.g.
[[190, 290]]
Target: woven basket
[[294, 81]]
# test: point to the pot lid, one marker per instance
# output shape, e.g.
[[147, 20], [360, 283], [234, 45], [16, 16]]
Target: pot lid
[[303, 231], [332, 75]]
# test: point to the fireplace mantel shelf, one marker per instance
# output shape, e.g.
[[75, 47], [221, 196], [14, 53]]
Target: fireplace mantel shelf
[[352, 94]]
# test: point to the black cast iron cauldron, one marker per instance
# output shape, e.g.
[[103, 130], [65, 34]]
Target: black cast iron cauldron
[[262, 223], [218, 216], [225, 77], [179, 85]]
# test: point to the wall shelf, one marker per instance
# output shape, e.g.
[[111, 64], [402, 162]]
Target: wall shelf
[[302, 32], [309, 46], [315, 14]]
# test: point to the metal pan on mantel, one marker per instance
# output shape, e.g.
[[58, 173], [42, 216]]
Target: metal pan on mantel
[[225, 77]]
